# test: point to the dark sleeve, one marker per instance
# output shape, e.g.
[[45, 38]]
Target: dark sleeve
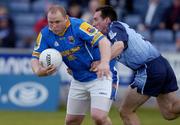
[[117, 32]]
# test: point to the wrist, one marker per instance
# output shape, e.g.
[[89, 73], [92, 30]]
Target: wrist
[[105, 61]]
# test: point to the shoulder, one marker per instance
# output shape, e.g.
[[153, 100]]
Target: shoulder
[[45, 31], [117, 25], [75, 22], [80, 25]]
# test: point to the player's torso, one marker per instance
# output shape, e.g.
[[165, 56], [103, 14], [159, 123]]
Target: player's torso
[[72, 48], [74, 51], [138, 52]]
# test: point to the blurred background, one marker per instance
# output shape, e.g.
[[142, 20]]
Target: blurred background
[[21, 21]]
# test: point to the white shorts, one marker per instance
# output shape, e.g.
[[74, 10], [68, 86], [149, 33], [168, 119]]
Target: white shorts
[[94, 94]]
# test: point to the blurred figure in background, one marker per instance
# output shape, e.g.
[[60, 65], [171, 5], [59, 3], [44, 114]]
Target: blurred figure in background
[[171, 17], [177, 38], [74, 9], [88, 15], [41, 23], [178, 44], [7, 32], [152, 16]]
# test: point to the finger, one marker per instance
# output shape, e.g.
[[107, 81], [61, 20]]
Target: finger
[[95, 70], [107, 74], [93, 67], [50, 66], [51, 70], [100, 74]]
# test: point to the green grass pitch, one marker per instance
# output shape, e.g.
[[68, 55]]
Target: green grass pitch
[[148, 116]]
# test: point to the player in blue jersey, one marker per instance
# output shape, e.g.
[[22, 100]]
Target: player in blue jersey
[[79, 44], [153, 73]]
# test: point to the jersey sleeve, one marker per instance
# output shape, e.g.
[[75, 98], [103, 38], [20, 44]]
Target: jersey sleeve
[[40, 45], [89, 34], [117, 32]]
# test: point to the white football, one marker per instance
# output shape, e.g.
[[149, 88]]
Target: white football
[[50, 56]]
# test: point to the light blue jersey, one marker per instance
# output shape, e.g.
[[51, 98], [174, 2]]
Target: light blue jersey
[[137, 50], [153, 74], [77, 46]]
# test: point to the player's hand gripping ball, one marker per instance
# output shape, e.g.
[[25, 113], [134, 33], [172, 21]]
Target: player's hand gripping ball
[[50, 56]]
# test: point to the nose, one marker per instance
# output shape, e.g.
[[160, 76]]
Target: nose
[[53, 26]]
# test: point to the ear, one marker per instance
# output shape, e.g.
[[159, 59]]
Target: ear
[[108, 20]]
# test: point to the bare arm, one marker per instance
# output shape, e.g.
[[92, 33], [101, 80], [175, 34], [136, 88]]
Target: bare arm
[[41, 71], [105, 50], [117, 49]]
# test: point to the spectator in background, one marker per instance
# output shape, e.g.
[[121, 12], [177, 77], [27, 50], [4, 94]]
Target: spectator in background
[[171, 17], [88, 15], [123, 8], [40, 24], [152, 16], [74, 9], [7, 32], [178, 41], [128, 6], [178, 44]]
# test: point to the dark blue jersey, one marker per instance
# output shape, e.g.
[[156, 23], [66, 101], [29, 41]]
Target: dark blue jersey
[[137, 50]]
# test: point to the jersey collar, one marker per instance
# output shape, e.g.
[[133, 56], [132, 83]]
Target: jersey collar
[[68, 23]]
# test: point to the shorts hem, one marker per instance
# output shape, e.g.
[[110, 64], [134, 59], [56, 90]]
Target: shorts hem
[[155, 95]]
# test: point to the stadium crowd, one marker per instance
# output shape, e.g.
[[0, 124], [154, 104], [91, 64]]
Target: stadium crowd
[[156, 20]]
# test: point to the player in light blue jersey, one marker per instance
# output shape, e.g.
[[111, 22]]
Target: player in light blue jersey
[[153, 73], [79, 44]]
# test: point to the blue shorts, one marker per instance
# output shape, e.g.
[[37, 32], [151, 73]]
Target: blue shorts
[[154, 78]]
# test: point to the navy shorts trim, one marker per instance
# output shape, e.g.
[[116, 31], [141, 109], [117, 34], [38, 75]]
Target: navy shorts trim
[[154, 78], [115, 86]]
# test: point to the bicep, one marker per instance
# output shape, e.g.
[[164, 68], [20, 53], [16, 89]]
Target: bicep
[[117, 49]]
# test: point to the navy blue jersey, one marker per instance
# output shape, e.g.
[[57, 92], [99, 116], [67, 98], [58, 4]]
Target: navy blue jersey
[[153, 73], [137, 50]]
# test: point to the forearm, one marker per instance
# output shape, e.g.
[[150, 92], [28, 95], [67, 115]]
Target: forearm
[[116, 49], [105, 49], [35, 65]]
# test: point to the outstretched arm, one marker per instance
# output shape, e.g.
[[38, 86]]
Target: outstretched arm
[[116, 50], [105, 50]]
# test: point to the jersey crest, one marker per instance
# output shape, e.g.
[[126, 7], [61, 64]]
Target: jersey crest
[[112, 35], [88, 29]]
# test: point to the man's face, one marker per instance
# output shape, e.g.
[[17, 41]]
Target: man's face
[[56, 22], [99, 22]]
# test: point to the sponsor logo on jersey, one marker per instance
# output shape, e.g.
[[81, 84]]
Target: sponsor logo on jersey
[[71, 39], [56, 44], [112, 35], [88, 29]]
